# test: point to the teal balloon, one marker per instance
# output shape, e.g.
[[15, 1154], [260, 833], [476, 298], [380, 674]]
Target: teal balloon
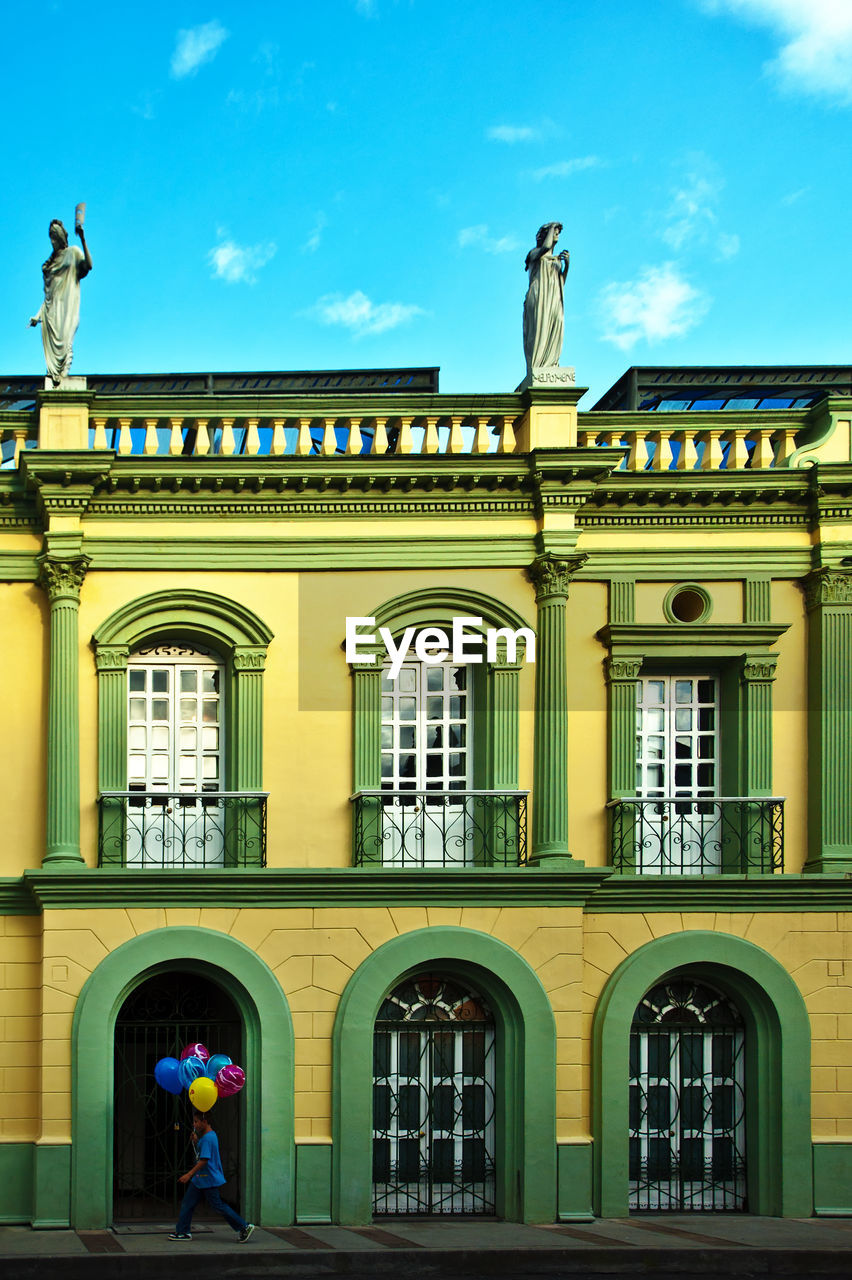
[[190, 1069], [167, 1075], [216, 1063]]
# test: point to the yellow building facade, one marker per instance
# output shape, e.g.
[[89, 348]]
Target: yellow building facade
[[551, 927]]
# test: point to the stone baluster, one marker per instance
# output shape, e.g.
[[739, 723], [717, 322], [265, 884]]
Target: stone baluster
[[125, 441], [380, 436], [304, 443], [507, 443], [252, 438], [227, 446], [687, 457], [279, 440], [431, 440], [405, 443], [354, 441], [328, 447], [175, 437], [481, 436], [152, 442], [761, 454], [100, 440], [202, 437], [737, 451], [456, 441], [712, 457], [634, 462]]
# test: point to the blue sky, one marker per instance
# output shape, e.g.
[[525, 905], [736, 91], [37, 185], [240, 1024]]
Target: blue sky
[[356, 185]]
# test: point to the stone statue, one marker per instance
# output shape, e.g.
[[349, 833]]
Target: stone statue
[[543, 306], [59, 314]]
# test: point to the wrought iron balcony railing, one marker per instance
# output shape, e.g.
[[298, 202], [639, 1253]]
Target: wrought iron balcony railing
[[702, 836], [182, 829], [440, 828]]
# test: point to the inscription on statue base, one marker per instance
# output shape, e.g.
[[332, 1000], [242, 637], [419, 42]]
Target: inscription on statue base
[[553, 376], [68, 383]]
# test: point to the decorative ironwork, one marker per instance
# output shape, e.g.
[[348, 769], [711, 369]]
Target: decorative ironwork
[[440, 828], [687, 1100], [434, 1104], [710, 836], [182, 829], [152, 1129]]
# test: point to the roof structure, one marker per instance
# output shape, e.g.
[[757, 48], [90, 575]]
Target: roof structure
[[705, 387]]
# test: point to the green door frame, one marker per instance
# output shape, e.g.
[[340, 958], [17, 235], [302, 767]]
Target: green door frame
[[526, 1068], [269, 1147], [778, 1062]]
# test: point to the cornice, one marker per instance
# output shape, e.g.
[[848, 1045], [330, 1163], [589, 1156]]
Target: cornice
[[701, 637], [631, 893], [274, 888]]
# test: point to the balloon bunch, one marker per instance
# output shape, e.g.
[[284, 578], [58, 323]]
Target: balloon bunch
[[206, 1077]]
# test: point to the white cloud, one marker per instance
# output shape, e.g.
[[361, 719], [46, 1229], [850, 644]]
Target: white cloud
[[815, 36], [361, 315], [511, 133], [196, 46], [792, 196], [692, 212], [659, 304], [238, 263], [727, 246], [315, 238], [479, 238], [564, 168]]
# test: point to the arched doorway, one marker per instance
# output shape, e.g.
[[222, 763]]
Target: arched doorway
[[434, 1099], [152, 1128], [687, 1099]]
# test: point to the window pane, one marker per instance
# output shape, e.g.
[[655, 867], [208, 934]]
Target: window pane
[[211, 711], [407, 709], [434, 678], [187, 767], [160, 680], [160, 737], [459, 678], [457, 708], [160, 767], [434, 708], [136, 679], [136, 767], [683, 718], [457, 735], [188, 739], [137, 709], [137, 738], [683, 691], [210, 767], [188, 708], [387, 736], [435, 735], [387, 708], [210, 681], [188, 681], [210, 738], [407, 737], [405, 681], [160, 709]]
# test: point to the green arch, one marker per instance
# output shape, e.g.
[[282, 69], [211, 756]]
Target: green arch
[[269, 1149], [184, 610], [436, 606], [526, 1064], [778, 1055]]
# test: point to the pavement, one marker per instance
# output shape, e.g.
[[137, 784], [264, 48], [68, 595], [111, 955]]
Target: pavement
[[705, 1246]]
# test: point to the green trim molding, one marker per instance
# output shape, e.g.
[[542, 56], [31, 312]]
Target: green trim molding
[[575, 1186], [313, 1182], [201, 617], [526, 1068], [268, 1158], [777, 1080], [828, 599], [833, 1179]]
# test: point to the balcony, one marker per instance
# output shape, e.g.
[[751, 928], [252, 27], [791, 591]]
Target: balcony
[[440, 828], [682, 836], [182, 830]]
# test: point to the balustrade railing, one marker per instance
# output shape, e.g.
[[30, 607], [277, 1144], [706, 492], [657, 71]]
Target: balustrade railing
[[440, 828], [756, 447], [182, 829], [13, 440], [710, 835]]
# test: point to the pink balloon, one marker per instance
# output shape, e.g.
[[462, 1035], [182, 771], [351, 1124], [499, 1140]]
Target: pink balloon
[[230, 1080], [195, 1051]]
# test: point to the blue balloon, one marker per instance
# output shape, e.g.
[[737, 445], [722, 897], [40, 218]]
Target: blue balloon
[[216, 1063], [190, 1069], [167, 1075]]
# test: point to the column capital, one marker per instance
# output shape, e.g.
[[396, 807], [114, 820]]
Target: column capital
[[758, 667], [827, 587], [624, 667], [552, 575], [246, 659], [111, 657], [62, 578], [370, 661]]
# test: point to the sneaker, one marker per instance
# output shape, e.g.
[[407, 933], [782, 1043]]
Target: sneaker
[[178, 1235], [245, 1233]]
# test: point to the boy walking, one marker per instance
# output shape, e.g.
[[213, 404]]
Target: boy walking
[[204, 1179]]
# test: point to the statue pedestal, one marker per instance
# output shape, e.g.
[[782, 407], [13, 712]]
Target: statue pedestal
[[67, 383], [554, 376]]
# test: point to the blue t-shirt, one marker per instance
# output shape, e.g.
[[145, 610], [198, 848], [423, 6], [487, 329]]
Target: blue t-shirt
[[207, 1148]]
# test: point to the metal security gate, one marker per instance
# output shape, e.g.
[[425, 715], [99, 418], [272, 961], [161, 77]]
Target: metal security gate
[[152, 1128], [687, 1100], [434, 1101]]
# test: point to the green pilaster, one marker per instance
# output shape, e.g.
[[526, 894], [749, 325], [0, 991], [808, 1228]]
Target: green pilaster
[[111, 663], [552, 578], [756, 599], [501, 693], [622, 600], [828, 596], [756, 676], [622, 673], [248, 663], [367, 749], [62, 579]]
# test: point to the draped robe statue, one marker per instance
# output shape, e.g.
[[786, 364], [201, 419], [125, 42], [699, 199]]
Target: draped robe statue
[[543, 305], [59, 314]]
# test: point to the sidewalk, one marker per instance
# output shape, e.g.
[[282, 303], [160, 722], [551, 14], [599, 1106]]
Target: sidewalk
[[651, 1245]]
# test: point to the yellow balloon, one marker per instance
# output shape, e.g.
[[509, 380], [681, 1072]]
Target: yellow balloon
[[203, 1093]]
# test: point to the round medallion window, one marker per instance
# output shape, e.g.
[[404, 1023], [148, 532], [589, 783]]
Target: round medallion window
[[687, 603]]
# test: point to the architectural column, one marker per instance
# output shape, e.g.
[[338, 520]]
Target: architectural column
[[62, 578], [111, 663], [828, 599], [248, 664], [367, 754], [756, 677], [622, 672], [551, 577]]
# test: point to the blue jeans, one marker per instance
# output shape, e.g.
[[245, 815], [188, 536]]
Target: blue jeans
[[193, 1195]]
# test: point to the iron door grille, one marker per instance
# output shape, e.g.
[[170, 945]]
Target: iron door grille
[[434, 1101], [687, 1101], [152, 1128]]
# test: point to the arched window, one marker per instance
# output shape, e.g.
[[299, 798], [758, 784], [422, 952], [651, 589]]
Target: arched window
[[687, 1100], [434, 1101]]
